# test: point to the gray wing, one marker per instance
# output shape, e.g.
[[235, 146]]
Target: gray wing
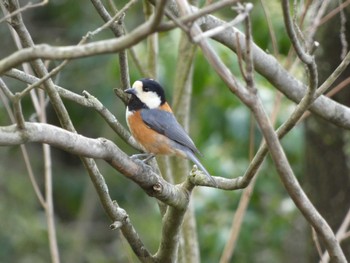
[[165, 123]]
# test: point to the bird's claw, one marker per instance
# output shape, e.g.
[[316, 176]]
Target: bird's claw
[[147, 157]]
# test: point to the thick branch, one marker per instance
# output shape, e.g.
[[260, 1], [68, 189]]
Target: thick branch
[[45, 51], [95, 148]]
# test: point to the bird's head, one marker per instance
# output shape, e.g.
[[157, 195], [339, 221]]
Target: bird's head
[[149, 92]]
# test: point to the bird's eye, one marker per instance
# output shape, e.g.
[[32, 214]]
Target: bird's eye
[[144, 88]]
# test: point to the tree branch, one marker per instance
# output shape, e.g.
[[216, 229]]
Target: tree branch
[[250, 98], [269, 67], [115, 213], [86, 100], [96, 148], [118, 31], [171, 228], [265, 64]]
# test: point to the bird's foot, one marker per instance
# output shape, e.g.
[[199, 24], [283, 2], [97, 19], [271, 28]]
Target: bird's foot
[[147, 157]]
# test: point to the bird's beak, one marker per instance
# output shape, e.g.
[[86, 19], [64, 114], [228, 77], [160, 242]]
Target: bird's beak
[[131, 91]]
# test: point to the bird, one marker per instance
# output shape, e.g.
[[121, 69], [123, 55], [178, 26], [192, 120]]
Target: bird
[[154, 126]]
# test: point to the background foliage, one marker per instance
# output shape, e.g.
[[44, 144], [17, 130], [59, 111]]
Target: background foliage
[[220, 126]]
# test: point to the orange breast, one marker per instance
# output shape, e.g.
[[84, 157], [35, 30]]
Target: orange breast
[[152, 141]]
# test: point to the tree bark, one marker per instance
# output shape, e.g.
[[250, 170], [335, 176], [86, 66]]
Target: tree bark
[[327, 174]]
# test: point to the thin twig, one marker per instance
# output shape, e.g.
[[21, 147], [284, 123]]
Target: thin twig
[[341, 235], [264, 64], [240, 212], [86, 100], [136, 60], [334, 12], [317, 242], [334, 76], [84, 39], [183, 20], [17, 107], [152, 44], [342, 33], [49, 208], [284, 129], [338, 88], [286, 174], [238, 19], [249, 54], [23, 149], [271, 29], [29, 5], [118, 30], [240, 59], [315, 22]]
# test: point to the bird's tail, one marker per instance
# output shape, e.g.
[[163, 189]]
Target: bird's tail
[[193, 158]]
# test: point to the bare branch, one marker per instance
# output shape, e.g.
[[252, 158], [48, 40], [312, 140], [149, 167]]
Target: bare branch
[[171, 227], [18, 111], [280, 160], [315, 23], [86, 100], [165, 26], [264, 64], [152, 45], [287, 126], [49, 209], [334, 12], [44, 51], [32, 179], [341, 234], [334, 76], [115, 213], [29, 5], [294, 189], [269, 67], [212, 32], [54, 71], [271, 30], [316, 241], [39, 67], [308, 60], [65, 120], [99, 149], [247, 192], [118, 30]]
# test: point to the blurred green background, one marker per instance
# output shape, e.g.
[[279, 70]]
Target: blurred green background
[[272, 231]]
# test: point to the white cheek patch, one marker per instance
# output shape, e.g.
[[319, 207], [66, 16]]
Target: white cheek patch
[[138, 86], [150, 99]]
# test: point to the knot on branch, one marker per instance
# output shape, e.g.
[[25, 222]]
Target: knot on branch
[[197, 177], [121, 217], [116, 225], [93, 101], [158, 188]]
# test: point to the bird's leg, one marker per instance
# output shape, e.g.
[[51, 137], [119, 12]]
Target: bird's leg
[[147, 156]]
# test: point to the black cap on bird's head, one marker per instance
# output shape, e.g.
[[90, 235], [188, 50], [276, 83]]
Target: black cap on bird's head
[[149, 92]]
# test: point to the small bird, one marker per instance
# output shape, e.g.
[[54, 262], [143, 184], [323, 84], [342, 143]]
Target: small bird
[[153, 124]]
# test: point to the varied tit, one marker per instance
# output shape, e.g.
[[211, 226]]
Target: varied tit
[[153, 124]]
